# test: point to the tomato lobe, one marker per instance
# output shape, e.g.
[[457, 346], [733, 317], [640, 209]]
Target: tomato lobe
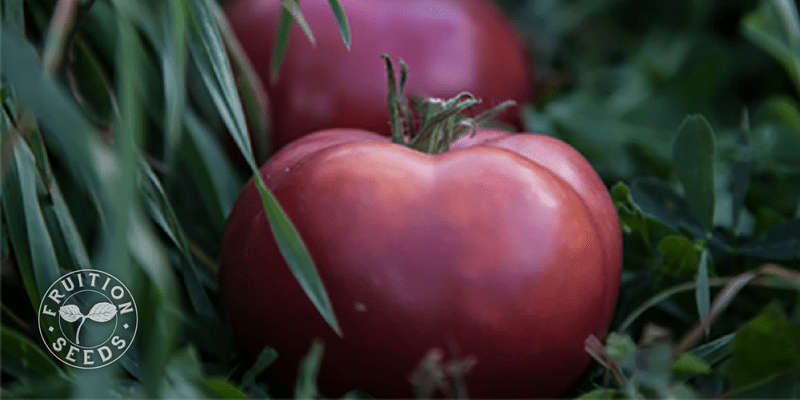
[[483, 252]]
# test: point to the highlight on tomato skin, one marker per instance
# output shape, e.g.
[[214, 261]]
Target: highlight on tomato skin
[[451, 45], [504, 251]]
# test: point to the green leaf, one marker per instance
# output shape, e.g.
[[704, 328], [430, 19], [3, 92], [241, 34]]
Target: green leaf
[[209, 167], [296, 254], [715, 350], [680, 256], [264, 360], [14, 15], [651, 366], [786, 386], [161, 211], [632, 220], [173, 66], [58, 33], [619, 346], [69, 135], [781, 243], [223, 389], [32, 358], [693, 162], [660, 203], [768, 346], [281, 43], [702, 292], [294, 10], [30, 237], [774, 28], [306, 385], [688, 362], [208, 53], [341, 20]]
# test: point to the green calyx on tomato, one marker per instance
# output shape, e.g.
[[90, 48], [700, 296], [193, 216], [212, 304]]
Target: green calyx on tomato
[[441, 122]]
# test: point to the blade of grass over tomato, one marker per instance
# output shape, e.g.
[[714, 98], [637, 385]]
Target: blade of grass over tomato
[[251, 88], [341, 20], [281, 44], [208, 52], [693, 161], [294, 10], [296, 254]]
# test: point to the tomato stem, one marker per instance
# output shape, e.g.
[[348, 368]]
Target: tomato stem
[[442, 122]]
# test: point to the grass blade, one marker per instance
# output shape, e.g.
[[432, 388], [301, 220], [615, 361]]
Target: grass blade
[[296, 255], [281, 43], [208, 53], [32, 357], [341, 20], [264, 360], [306, 385], [703, 289], [297, 15], [173, 66], [215, 176], [39, 246]]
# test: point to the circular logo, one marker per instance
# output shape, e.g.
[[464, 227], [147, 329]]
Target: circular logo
[[88, 319]]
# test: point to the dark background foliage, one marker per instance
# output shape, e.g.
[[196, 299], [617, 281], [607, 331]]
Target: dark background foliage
[[113, 158]]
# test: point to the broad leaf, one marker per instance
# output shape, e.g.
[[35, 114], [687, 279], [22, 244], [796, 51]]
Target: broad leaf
[[767, 347], [102, 312], [781, 243], [693, 162], [70, 313], [659, 202]]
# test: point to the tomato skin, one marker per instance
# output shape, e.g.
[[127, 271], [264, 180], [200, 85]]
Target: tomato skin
[[480, 251], [450, 46]]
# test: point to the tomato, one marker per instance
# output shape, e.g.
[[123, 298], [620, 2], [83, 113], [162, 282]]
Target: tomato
[[505, 250], [450, 46]]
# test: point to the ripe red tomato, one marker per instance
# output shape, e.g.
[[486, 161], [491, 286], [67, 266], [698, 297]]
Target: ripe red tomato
[[506, 249], [450, 46]]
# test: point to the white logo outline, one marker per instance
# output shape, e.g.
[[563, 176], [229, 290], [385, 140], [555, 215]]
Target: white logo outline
[[56, 309]]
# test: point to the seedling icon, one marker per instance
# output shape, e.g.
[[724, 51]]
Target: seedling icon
[[100, 312]]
